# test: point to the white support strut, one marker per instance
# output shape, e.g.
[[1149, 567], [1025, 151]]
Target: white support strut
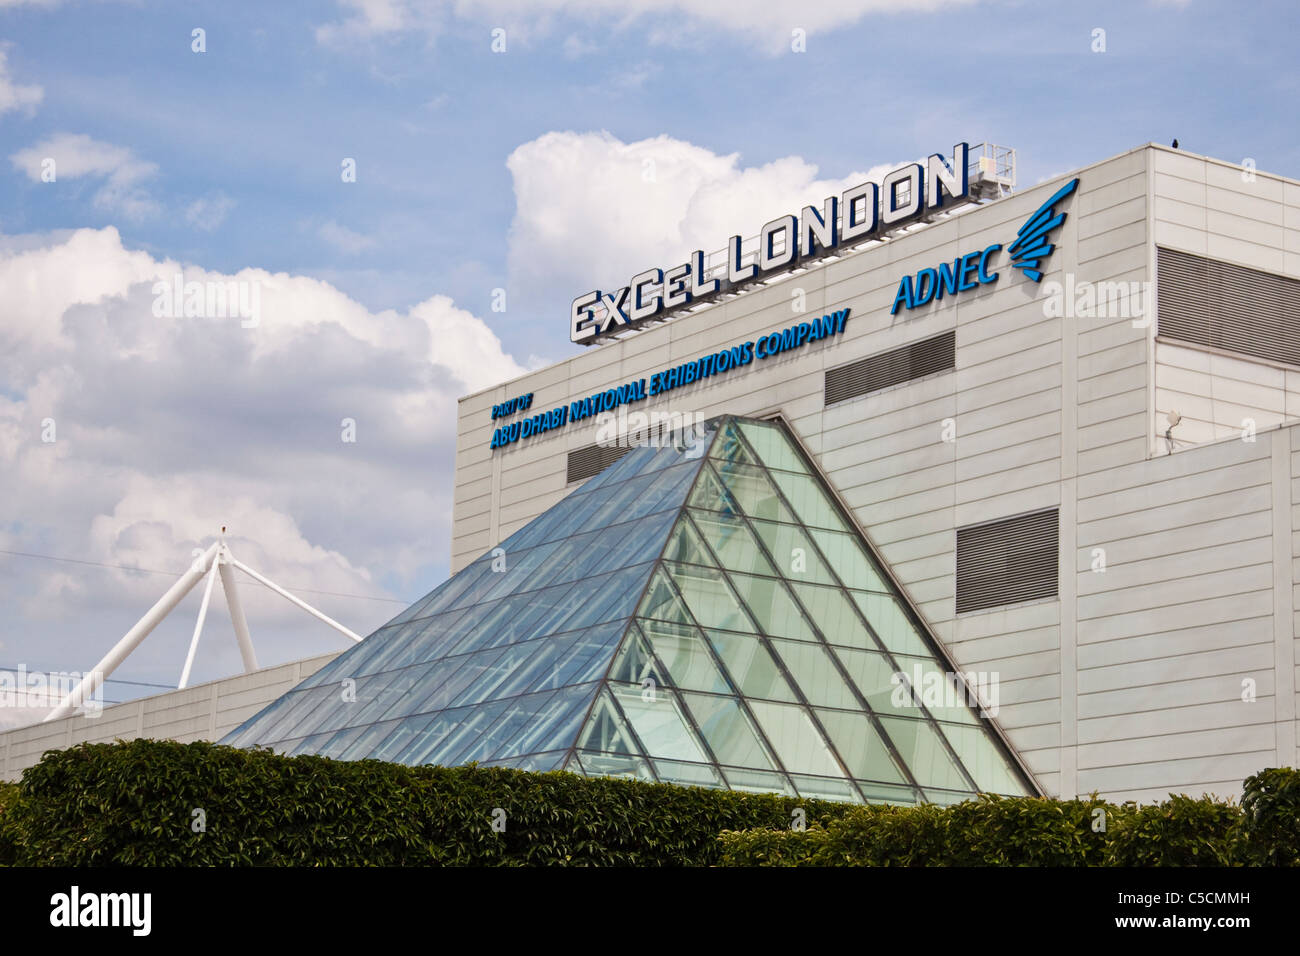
[[215, 562], [91, 683], [236, 610], [302, 604], [198, 626]]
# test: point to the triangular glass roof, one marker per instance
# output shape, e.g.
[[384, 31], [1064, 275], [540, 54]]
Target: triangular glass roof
[[700, 613]]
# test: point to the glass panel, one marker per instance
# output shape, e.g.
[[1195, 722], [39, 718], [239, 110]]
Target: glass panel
[[339, 742], [661, 601], [669, 489], [635, 663], [918, 743], [448, 679], [946, 798], [473, 722], [729, 446], [689, 774], [924, 682], [502, 738], [809, 501], [983, 758], [710, 495], [558, 724], [659, 724], [834, 616], [885, 793], [610, 508], [758, 781], [685, 545], [540, 763], [728, 731], [489, 682], [386, 693], [850, 560], [793, 550], [605, 730], [732, 542], [754, 490], [860, 746], [531, 673], [772, 446], [588, 656], [397, 741], [798, 744], [816, 674], [615, 765], [822, 788], [888, 619], [751, 666], [427, 739], [773, 609], [709, 598], [683, 652], [885, 689]]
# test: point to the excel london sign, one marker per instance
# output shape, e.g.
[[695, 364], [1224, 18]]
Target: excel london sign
[[866, 211]]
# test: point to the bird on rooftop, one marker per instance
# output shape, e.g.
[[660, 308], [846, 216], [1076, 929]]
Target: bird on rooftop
[[1175, 144]]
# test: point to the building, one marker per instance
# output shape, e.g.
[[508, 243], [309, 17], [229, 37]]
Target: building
[[1008, 452], [1060, 422]]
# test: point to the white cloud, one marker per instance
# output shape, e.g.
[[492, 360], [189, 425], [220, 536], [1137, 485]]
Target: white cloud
[[168, 428], [76, 155], [592, 209], [14, 96], [766, 23], [344, 239], [209, 212]]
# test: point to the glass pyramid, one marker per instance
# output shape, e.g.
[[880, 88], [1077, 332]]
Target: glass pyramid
[[701, 613]]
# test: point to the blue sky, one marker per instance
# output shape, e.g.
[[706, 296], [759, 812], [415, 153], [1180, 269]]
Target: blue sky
[[229, 160]]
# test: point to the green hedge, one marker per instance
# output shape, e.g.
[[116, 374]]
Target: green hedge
[[134, 804], [8, 795], [1023, 831]]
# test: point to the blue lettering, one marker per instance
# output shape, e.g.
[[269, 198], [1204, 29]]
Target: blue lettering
[[904, 295], [984, 258], [948, 279], [969, 264], [925, 289]]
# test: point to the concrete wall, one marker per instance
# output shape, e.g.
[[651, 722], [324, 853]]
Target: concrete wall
[[1130, 682], [203, 712]]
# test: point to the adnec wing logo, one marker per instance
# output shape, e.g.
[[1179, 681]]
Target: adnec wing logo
[[1031, 246]]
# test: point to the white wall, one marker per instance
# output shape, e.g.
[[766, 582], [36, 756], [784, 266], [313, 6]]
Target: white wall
[[202, 712]]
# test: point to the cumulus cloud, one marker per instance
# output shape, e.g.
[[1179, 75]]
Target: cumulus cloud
[[76, 155], [344, 239], [591, 209], [209, 212], [767, 23], [131, 431], [14, 96]]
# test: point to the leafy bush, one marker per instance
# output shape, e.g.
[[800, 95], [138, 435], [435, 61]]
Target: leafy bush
[[162, 803], [1270, 821], [8, 795], [1017, 831], [771, 847], [1181, 831]]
